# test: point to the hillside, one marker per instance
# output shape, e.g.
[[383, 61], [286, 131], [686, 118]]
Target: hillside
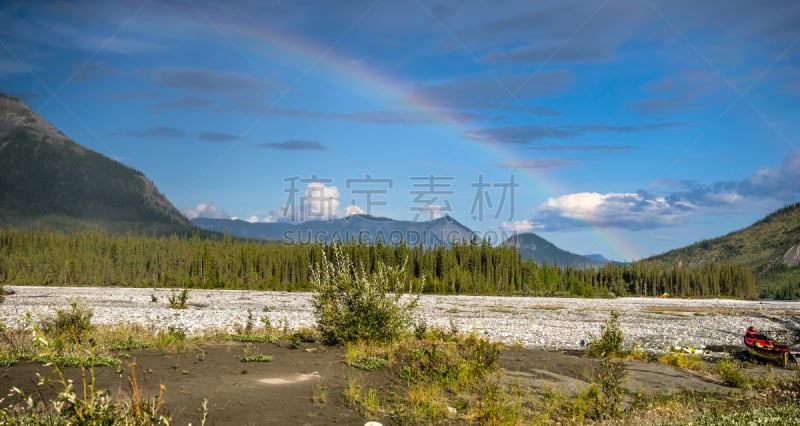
[[533, 246], [49, 181], [770, 247], [369, 229]]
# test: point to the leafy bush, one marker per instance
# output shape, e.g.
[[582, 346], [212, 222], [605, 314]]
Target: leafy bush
[[179, 300], [610, 343], [731, 374], [67, 326], [350, 305]]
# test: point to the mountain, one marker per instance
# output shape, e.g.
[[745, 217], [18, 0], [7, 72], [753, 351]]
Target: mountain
[[369, 229], [602, 259], [597, 257], [770, 247], [533, 246], [49, 181]]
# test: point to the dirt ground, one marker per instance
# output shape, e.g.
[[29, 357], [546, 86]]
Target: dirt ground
[[282, 391]]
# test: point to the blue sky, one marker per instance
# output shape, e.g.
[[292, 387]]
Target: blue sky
[[625, 128]]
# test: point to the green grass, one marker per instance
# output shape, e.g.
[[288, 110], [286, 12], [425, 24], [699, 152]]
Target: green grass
[[369, 363], [779, 415], [257, 358], [682, 361], [251, 338], [12, 357], [77, 360]]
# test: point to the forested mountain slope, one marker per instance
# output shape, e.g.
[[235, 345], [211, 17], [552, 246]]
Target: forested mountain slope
[[47, 181], [770, 247]]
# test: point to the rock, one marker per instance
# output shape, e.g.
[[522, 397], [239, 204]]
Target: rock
[[544, 323], [792, 256]]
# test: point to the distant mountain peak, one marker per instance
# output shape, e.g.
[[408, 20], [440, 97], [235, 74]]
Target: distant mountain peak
[[360, 227], [367, 217], [533, 246]]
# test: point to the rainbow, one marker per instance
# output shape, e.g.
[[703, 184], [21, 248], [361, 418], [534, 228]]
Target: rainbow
[[358, 78]]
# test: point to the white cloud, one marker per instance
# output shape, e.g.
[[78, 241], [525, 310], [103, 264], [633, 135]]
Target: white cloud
[[519, 226], [353, 209], [321, 202], [726, 197], [205, 210], [318, 202], [252, 219], [612, 210]]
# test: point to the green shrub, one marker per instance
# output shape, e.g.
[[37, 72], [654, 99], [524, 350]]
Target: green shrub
[[70, 326], [351, 306], [610, 343], [731, 374], [179, 300]]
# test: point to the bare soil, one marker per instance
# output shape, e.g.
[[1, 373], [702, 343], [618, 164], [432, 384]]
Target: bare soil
[[283, 391]]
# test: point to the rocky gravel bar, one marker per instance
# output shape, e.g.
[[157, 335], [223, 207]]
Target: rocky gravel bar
[[655, 324]]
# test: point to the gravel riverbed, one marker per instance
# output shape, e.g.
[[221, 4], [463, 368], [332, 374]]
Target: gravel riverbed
[[536, 322]]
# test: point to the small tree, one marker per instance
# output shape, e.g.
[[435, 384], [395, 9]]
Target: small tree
[[611, 374], [350, 305], [610, 343]]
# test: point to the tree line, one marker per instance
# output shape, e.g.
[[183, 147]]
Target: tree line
[[100, 259]]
